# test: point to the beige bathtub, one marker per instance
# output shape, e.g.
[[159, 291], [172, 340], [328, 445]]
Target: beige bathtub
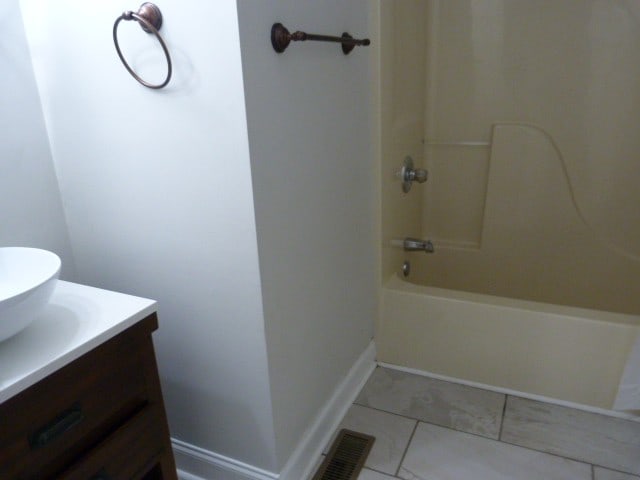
[[564, 353]]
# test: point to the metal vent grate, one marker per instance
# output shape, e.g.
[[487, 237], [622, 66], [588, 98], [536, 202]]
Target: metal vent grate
[[346, 457]]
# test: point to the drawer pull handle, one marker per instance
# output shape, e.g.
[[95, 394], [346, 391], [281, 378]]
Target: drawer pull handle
[[61, 424], [101, 475]]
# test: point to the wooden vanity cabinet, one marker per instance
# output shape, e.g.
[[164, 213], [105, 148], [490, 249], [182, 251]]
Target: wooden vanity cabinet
[[101, 417]]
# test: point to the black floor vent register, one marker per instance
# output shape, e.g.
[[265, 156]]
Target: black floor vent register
[[346, 456]]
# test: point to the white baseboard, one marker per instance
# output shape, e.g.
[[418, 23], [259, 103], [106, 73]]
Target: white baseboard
[[182, 475], [305, 457], [195, 463]]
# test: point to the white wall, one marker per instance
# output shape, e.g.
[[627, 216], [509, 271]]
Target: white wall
[[157, 188], [310, 137], [30, 206]]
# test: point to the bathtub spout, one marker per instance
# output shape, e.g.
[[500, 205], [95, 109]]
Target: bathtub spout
[[415, 244]]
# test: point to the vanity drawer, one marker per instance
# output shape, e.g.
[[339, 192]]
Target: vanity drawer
[[48, 426], [128, 453]]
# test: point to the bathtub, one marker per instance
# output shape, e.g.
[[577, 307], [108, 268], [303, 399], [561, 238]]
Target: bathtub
[[568, 354]]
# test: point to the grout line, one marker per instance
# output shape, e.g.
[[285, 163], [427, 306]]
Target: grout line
[[422, 420], [390, 413], [514, 393], [379, 471], [504, 412], [632, 475], [500, 434], [479, 436], [404, 454], [593, 473], [573, 459]]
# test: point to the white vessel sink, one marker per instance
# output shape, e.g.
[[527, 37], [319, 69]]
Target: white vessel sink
[[28, 277]]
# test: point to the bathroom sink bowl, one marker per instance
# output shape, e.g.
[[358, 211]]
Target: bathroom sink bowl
[[28, 277]]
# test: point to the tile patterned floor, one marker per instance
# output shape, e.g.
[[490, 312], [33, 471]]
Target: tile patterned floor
[[434, 401], [428, 429]]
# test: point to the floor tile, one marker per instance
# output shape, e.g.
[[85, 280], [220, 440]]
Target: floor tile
[[448, 404], [604, 474], [438, 453], [366, 474], [391, 431], [605, 441]]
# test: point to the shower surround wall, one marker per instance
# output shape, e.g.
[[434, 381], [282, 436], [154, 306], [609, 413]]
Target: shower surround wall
[[547, 211], [544, 206], [265, 308], [31, 212], [524, 114]]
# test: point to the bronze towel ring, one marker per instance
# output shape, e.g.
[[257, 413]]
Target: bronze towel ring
[[150, 19]]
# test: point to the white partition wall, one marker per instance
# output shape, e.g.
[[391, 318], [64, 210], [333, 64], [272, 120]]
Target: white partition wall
[[158, 195], [313, 172], [256, 242]]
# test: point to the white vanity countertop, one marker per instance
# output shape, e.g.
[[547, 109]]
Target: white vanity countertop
[[76, 320]]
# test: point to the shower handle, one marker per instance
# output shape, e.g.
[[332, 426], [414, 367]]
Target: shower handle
[[408, 174], [416, 175]]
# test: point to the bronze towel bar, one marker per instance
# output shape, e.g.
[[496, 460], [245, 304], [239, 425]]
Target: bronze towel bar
[[280, 39]]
